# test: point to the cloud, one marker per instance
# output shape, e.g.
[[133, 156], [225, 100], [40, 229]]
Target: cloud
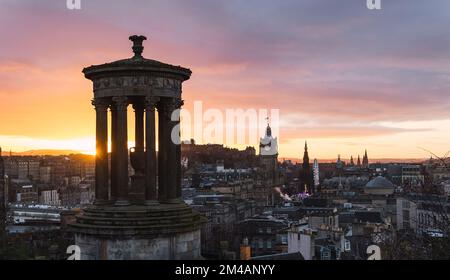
[[323, 131], [331, 62]]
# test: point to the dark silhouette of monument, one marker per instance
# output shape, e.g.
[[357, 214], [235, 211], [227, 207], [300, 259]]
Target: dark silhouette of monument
[[142, 217]]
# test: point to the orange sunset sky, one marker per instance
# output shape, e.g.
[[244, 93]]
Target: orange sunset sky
[[344, 78]]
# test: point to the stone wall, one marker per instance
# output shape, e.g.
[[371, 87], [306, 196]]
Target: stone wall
[[182, 246]]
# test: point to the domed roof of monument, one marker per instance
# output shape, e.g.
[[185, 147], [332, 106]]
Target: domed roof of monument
[[379, 182], [137, 63]]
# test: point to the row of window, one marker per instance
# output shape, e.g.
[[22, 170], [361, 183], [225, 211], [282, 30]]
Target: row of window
[[427, 219], [260, 244], [267, 230]]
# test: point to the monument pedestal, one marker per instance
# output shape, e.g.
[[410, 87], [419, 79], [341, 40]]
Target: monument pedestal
[[162, 232]]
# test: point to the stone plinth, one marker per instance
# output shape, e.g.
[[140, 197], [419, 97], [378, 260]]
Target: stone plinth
[[161, 232]]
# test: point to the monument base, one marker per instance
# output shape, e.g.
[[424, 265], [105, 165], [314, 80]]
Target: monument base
[[138, 232], [182, 246]]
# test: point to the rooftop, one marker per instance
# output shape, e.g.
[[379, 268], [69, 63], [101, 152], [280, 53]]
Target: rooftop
[[379, 182]]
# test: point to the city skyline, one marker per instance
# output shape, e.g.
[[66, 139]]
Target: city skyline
[[245, 131], [345, 78]]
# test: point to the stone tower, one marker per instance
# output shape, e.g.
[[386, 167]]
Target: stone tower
[[268, 153], [142, 217]]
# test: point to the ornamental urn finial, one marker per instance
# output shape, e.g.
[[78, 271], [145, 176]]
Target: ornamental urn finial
[[137, 45]]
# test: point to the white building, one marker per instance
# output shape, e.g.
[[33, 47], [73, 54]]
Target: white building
[[50, 197], [301, 239], [423, 215], [316, 174]]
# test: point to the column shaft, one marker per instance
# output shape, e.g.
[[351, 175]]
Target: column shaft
[[121, 148], [101, 155], [162, 152], [113, 169], [139, 126], [178, 104], [179, 173], [172, 136], [150, 144]]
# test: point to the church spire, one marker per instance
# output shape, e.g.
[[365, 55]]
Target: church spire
[[365, 162], [306, 155], [306, 175]]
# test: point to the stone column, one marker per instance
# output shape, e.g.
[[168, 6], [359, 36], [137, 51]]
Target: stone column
[[150, 144], [163, 143], [121, 149], [139, 126], [113, 177], [137, 156], [101, 155], [178, 105], [173, 166]]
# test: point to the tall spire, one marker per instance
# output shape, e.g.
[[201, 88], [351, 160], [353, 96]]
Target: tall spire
[[306, 155], [306, 175], [365, 162], [359, 161]]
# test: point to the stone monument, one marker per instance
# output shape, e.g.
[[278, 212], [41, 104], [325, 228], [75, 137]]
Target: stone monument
[[142, 217]]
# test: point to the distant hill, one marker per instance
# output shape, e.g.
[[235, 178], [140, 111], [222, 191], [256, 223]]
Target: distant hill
[[49, 152], [42, 153], [375, 160]]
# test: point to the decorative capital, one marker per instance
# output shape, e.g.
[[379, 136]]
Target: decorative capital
[[100, 104], [151, 101], [138, 48], [169, 106], [179, 103], [120, 102], [174, 104]]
